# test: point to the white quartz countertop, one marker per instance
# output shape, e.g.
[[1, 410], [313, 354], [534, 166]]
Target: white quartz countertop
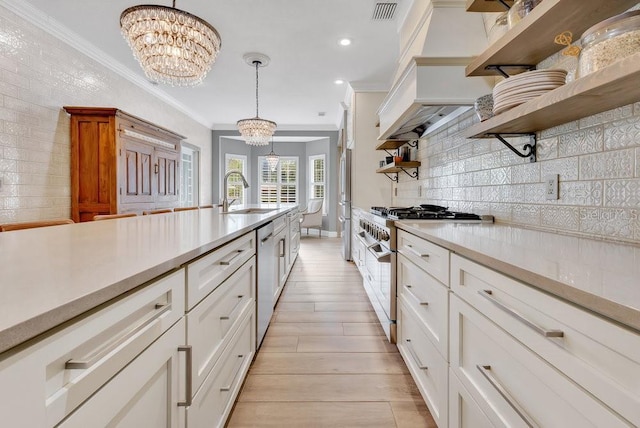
[[601, 276], [52, 274]]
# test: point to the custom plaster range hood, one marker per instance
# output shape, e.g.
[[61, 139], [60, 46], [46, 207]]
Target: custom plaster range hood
[[430, 85]]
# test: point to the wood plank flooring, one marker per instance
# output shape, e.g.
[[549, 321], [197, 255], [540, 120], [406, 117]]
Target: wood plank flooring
[[325, 361]]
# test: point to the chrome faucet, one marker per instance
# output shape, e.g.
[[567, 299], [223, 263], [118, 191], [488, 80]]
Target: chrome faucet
[[225, 202]]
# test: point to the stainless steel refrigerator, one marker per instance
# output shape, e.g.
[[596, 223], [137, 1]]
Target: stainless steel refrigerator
[[345, 203]]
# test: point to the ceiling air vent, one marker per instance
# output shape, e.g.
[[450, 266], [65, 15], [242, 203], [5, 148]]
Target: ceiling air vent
[[384, 11]]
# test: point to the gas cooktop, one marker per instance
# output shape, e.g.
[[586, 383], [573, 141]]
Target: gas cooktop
[[422, 212]]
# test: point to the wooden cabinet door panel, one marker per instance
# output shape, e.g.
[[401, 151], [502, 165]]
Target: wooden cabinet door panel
[[137, 173], [166, 176]]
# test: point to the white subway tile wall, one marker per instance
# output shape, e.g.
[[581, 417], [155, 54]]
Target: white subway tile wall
[[38, 75]]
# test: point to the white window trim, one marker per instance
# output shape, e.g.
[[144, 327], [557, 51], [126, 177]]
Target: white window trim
[[245, 165], [312, 183], [195, 156], [262, 159]]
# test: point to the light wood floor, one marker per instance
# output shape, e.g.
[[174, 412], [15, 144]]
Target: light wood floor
[[325, 361]]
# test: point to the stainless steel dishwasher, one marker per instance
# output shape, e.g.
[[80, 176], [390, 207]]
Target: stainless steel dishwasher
[[267, 277]]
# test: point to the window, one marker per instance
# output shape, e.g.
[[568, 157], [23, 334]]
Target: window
[[190, 176], [279, 186], [317, 179], [235, 189]]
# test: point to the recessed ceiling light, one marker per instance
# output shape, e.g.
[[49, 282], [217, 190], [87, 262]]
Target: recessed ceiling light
[[339, 82], [345, 42]]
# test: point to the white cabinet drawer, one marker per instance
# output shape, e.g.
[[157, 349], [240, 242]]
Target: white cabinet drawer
[[206, 273], [513, 386], [51, 377], [143, 394], [279, 224], [213, 321], [464, 412], [431, 258], [213, 402], [427, 366], [600, 356], [429, 299]]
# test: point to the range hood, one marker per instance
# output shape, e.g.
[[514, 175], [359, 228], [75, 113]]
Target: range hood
[[430, 85]]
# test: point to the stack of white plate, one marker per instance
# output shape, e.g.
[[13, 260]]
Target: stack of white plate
[[523, 87]]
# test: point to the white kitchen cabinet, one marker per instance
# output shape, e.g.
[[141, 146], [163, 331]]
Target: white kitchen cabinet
[[214, 400], [426, 365], [430, 257], [51, 376], [206, 273], [429, 299], [512, 385], [212, 323], [293, 238], [146, 393], [280, 241], [464, 411], [600, 356]]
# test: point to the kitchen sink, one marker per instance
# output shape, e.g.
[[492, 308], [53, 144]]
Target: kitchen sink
[[250, 211]]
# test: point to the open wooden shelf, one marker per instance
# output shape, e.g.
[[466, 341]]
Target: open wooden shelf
[[531, 40], [613, 86], [397, 167], [391, 144], [486, 5]]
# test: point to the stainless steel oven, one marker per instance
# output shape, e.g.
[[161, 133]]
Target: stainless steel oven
[[377, 235]]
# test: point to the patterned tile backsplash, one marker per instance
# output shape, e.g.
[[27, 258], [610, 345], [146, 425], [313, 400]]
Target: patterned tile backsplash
[[38, 75], [597, 159]]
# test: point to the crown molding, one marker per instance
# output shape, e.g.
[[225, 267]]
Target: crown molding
[[66, 35]]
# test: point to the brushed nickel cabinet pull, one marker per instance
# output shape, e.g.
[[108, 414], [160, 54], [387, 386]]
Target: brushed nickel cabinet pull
[[412, 294], [229, 260], [228, 388], [156, 168], [486, 372], [414, 355], [188, 389], [114, 342], [488, 294], [416, 252], [234, 308]]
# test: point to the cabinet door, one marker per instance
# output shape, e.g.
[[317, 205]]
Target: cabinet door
[[166, 176], [137, 172], [513, 386], [280, 242], [143, 394]]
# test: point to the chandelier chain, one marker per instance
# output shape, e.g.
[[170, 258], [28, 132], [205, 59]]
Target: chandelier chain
[[257, 63]]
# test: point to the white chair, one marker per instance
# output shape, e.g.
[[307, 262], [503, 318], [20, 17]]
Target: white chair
[[312, 216]]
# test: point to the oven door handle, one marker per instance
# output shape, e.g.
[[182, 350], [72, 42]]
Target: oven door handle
[[383, 257]]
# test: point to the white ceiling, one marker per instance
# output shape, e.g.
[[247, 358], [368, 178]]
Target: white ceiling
[[300, 36]]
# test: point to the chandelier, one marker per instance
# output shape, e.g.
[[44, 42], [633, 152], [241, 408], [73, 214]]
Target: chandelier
[[256, 131], [272, 158], [172, 46]]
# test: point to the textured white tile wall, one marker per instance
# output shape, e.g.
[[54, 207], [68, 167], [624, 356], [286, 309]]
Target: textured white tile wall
[[597, 159], [38, 75]]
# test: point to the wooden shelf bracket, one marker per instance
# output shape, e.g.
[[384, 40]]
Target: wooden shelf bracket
[[529, 149]]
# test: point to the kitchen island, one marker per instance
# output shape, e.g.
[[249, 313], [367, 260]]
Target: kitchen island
[[94, 309]]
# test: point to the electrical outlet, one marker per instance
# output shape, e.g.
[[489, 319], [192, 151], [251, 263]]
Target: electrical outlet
[[395, 191], [551, 190], [419, 191]]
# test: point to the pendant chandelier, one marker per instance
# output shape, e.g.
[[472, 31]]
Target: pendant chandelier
[[272, 158], [256, 131], [172, 46]]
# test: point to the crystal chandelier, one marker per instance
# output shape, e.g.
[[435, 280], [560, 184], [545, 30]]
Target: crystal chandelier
[[256, 131], [172, 46], [272, 158]]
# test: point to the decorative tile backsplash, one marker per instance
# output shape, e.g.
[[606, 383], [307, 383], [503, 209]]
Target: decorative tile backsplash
[[597, 159], [38, 75]]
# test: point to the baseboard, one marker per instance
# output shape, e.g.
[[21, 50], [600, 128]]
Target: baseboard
[[314, 233]]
